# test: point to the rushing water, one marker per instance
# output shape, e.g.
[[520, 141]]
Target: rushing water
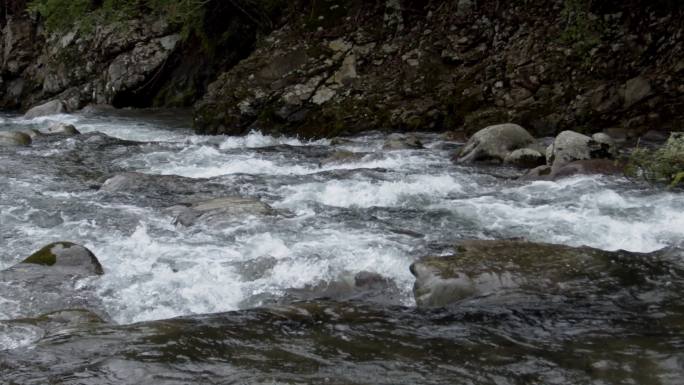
[[378, 211]]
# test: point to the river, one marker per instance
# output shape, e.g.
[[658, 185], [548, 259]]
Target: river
[[375, 211]]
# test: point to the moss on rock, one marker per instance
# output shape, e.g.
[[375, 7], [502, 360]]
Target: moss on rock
[[68, 255], [44, 256]]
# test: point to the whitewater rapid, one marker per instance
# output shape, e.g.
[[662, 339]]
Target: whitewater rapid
[[378, 212]]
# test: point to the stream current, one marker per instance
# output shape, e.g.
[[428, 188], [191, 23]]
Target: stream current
[[376, 211]]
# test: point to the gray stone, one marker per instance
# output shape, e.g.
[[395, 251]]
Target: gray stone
[[216, 211], [570, 146], [63, 129], [50, 108], [495, 143], [50, 280], [66, 257], [14, 138]]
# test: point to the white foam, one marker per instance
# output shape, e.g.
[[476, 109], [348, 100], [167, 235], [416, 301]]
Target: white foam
[[256, 139], [575, 213], [326, 254], [17, 336], [366, 193], [159, 277]]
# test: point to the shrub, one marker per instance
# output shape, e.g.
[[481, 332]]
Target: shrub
[[61, 15], [665, 164]]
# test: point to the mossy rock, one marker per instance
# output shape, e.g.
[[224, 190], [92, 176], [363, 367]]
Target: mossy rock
[[67, 255], [491, 268], [14, 138]]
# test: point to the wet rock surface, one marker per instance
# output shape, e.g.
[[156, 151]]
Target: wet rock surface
[[310, 342], [215, 211], [53, 278], [63, 129], [14, 139], [570, 146], [52, 107], [497, 270], [494, 143]]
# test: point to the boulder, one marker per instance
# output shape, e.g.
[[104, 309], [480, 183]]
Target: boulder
[[494, 143], [63, 129], [51, 280], [14, 138], [67, 257], [50, 108], [570, 146], [491, 269], [402, 142], [525, 158]]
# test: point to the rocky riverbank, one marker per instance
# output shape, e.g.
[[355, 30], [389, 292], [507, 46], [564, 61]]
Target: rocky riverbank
[[324, 68]]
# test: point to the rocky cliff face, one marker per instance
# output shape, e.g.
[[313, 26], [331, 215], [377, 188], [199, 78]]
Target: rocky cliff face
[[139, 62], [79, 68], [342, 66]]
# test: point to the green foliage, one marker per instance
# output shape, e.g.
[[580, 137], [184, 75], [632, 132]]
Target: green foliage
[[61, 15], [664, 165], [582, 29]]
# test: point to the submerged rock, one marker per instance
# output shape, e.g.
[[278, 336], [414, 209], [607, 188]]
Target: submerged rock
[[63, 129], [483, 268], [341, 156], [14, 138], [137, 182], [217, 210], [402, 142], [494, 143], [363, 286], [49, 108]]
